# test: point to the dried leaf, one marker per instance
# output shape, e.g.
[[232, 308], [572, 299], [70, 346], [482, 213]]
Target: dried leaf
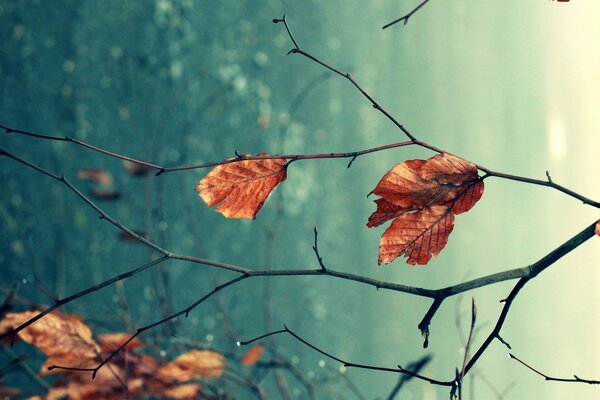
[[111, 341], [240, 189], [65, 339], [187, 391], [252, 356], [97, 175], [417, 235], [194, 364], [421, 196], [135, 169], [597, 230]]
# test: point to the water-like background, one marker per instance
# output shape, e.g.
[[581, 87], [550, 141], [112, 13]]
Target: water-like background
[[511, 85]]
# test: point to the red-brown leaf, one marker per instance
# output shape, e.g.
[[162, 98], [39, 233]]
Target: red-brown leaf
[[194, 364], [597, 229], [252, 356], [421, 196], [241, 188], [385, 211], [417, 235]]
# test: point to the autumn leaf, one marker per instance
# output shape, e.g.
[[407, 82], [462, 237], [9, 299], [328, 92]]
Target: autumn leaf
[[194, 364], [136, 169], [421, 197], [597, 229], [110, 342], [252, 356], [65, 339], [241, 188], [97, 175], [187, 391]]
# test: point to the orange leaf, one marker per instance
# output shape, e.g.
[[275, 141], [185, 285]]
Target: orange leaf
[[422, 196], [194, 364], [253, 355], [65, 339], [187, 391], [95, 175], [110, 342], [417, 235], [241, 188], [597, 230]]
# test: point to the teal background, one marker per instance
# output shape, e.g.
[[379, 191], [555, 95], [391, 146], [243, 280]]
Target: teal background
[[511, 85]]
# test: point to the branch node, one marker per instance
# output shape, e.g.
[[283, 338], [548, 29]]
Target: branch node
[[316, 250], [352, 160], [549, 177], [160, 172], [504, 342]]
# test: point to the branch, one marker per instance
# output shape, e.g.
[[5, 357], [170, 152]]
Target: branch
[[407, 16], [575, 378], [141, 330], [439, 295], [348, 364], [353, 155]]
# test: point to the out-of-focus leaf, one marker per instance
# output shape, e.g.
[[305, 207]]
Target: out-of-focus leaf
[[194, 364], [97, 175], [253, 355], [110, 342]]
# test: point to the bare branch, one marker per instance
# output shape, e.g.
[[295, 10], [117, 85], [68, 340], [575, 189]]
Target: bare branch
[[348, 364], [407, 16], [575, 378]]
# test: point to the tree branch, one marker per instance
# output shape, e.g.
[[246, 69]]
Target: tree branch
[[348, 364], [407, 16], [575, 378]]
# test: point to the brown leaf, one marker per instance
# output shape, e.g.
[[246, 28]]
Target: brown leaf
[[597, 229], [240, 189], [194, 364], [65, 339], [417, 235], [421, 197], [97, 175], [252, 356], [110, 342], [187, 391], [135, 169]]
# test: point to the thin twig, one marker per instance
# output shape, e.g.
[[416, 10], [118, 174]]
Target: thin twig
[[575, 378], [347, 364], [407, 16]]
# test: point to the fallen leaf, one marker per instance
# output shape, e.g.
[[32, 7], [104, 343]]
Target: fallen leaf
[[110, 342], [241, 188], [65, 339], [97, 175], [252, 356], [422, 196], [187, 391], [194, 364]]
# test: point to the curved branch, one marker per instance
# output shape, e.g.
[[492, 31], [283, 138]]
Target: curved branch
[[347, 364], [575, 378], [407, 16]]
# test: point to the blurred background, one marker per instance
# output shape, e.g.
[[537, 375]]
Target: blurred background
[[511, 85]]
